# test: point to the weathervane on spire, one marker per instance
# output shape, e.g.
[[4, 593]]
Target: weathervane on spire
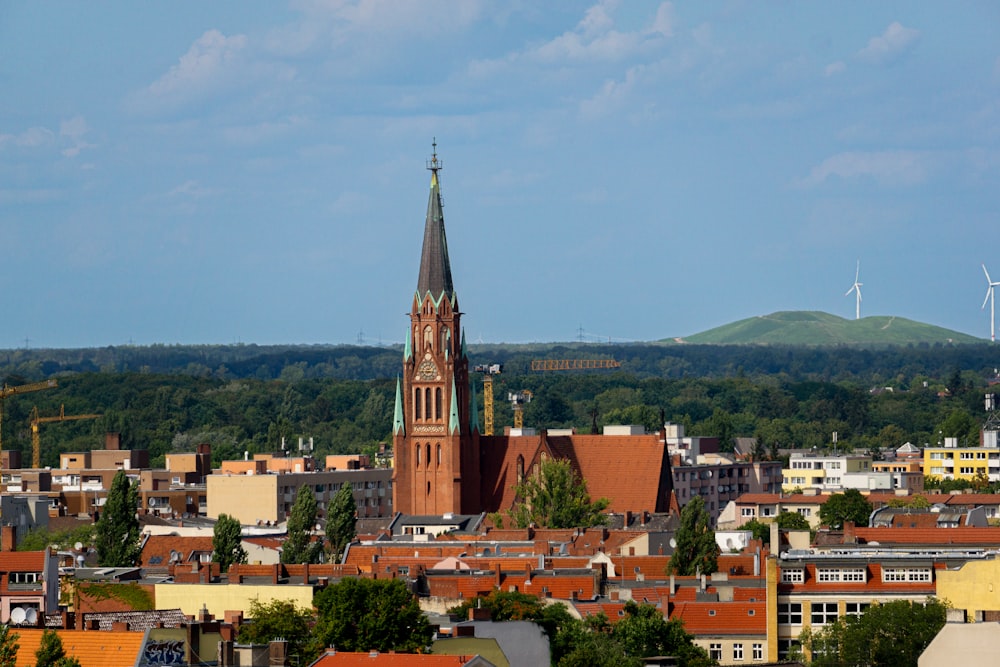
[[434, 164]]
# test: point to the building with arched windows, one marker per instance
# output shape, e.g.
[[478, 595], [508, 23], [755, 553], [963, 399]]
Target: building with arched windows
[[443, 464]]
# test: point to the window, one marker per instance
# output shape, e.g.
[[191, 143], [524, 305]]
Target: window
[[758, 651], [418, 448], [823, 613], [748, 511], [785, 647], [416, 406], [836, 574], [715, 651], [855, 608], [794, 576], [439, 454], [967, 456], [937, 456], [805, 511], [437, 403], [914, 574], [23, 577], [790, 613], [427, 404], [737, 651], [966, 470], [767, 511]]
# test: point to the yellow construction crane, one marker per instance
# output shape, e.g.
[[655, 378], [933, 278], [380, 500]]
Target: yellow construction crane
[[6, 391], [518, 400], [572, 364], [488, 371], [36, 421]]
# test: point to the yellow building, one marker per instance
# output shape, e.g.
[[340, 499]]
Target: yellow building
[[972, 589], [815, 471], [962, 462]]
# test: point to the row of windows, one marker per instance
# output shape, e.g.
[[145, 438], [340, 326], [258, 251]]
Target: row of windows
[[427, 457], [715, 651], [829, 575], [820, 613], [427, 414]]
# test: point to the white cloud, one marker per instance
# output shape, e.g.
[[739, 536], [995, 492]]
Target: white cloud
[[191, 189], [612, 96], [75, 129], [835, 68], [33, 137], [211, 58], [889, 44], [885, 167]]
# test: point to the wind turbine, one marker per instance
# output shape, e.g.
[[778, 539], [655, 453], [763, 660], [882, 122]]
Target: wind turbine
[[856, 287], [989, 297]]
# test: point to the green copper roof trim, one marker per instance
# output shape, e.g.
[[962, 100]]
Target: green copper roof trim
[[436, 299], [398, 427], [453, 426], [475, 409], [408, 347]]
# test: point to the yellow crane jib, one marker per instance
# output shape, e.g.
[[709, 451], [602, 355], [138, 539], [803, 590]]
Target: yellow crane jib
[[572, 364], [488, 371], [6, 391], [36, 421]]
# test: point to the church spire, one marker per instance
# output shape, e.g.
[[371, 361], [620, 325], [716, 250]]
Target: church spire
[[435, 268]]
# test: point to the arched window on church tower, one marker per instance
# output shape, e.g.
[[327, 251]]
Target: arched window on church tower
[[444, 338], [427, 403], [428, 450], [418, 455], [437, 403], [439, 454], [428, 337], [416, 403]]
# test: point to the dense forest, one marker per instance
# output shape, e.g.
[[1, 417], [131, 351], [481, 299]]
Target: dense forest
[[245, 398]]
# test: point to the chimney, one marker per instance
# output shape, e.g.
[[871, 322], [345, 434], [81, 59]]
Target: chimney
[[112, 441], [8, 537], [849, 535]]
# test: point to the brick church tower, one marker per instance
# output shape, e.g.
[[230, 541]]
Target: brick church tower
[[435, 451]]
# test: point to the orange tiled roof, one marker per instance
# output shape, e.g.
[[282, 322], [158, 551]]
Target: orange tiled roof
[[722, 618], [963, 535], [92, 648]]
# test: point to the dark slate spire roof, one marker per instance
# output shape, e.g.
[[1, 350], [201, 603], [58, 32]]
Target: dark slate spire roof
[[435, 269]]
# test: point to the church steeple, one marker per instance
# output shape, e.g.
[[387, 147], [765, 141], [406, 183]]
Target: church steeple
[[436, 459], [435, 268]]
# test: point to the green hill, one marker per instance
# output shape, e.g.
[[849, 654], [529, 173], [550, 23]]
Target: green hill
[[817, 328]]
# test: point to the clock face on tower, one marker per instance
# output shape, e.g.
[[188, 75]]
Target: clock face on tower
[[427, 370]]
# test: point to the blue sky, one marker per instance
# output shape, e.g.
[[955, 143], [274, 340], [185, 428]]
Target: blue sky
[[255, 172]]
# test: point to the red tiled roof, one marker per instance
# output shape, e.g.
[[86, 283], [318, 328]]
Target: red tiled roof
[[22, 561], [963, 535], [159, 547]]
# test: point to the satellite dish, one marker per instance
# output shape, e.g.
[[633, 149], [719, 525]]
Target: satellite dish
[[673, 543], [152, 502], [17, 615], [78, 546], [31, 616]]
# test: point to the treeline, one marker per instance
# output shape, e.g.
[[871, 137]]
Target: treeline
[[165, 412], [894, 365]]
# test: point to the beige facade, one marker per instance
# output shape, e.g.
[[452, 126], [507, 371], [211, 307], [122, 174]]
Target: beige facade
[[256, 499]]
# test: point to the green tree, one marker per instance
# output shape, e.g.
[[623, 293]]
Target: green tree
[[696, 550], [299, 546], [39, 538], [644, 633], [227, 542], [118, 532], [847, 506], [51, 653], [556, 498], [370, 615], [8, 646], [281, 618], [341, 520], [597, 649], [893, 634], [792, 521], [760, 531]]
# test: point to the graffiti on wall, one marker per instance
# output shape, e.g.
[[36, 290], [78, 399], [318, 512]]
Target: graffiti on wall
[[164, 653]]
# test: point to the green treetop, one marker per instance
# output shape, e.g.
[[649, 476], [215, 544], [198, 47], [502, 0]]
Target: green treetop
[[227, 542], [299, 547], [696, 550], [556, 498], [118, 534]]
